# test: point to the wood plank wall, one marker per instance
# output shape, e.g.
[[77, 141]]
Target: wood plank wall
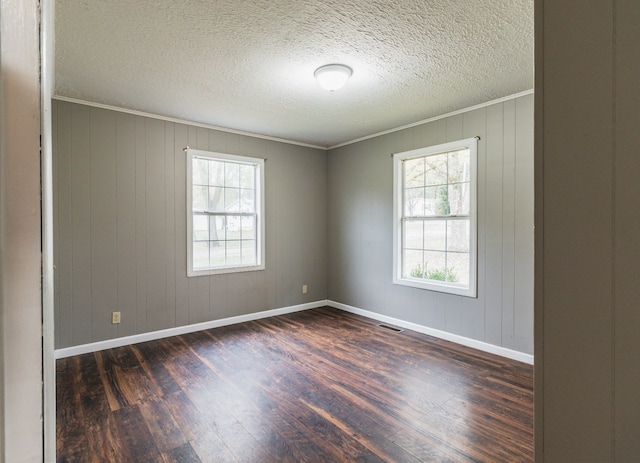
[[360, 227], [120, 226], [587, 217]]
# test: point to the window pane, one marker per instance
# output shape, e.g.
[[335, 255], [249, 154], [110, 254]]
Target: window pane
[[414, 173], [233, 227], [435, 235], [437, 223], [200, 171], [458, 235], [233, 252], [247, 203], [231, 200], [436, 169], [411, 263], [248, 228], [218, 253], [458, 268], [435, 264], [247, 177], [200, 227], [200, 254], [216, 199], [413, 234], [460, 166], [232, 175], [436, 201], [458, 199], [249, 252], [223, 191], [216, 173], [199, 199], [414, 202], [219, 232]]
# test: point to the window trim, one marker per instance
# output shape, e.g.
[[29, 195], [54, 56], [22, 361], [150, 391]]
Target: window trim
[[260, 212], [398, 208]]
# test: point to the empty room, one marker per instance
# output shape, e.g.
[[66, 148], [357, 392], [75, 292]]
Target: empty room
[[219, 255], [252, 267]]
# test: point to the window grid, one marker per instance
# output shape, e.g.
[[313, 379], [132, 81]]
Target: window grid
[[445, 217], [434, 205], [225, 214]]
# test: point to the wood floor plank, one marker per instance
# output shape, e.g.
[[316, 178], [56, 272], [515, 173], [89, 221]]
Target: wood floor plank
[[152, 361], [203, 439], [135, 435], [182, 454], [319, 385], [164, 429]]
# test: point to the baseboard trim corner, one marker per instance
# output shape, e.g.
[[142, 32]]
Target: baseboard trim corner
[[480, 345], [153, 335]]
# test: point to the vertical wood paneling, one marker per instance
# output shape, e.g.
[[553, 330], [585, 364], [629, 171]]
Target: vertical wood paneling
[[126, 222], [378, 210], [271, 187], [104, 283], [335, 234], [180, 243], [81, 224], [141, 226], [296, 234], [494, 143], [360, 180], [55, 175], [170, 224], [508, 225], [523, 289], [283, 250], [155, 216], [131, 169], [64, 215]]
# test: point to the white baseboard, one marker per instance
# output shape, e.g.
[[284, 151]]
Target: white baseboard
[[483, 346], [153, 335], [137, 338]]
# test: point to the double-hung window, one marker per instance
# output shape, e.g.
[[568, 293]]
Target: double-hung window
[[435, 231], [225, 213]]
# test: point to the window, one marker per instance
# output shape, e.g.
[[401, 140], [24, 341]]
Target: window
[[435, 228], [225, 213]]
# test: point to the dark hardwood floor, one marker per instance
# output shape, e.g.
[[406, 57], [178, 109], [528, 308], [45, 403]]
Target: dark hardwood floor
[[316, 386]]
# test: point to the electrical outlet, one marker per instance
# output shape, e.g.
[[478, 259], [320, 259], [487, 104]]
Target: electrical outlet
[[304, 289], [115, 318]]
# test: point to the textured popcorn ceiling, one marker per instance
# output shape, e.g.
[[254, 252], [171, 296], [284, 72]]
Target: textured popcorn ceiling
[[248, 65]]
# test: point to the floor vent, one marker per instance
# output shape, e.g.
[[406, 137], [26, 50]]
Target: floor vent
[[390, 328]]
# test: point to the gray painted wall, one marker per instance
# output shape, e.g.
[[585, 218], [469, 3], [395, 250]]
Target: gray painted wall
[[360, 227], [120, 226], [587, 231]]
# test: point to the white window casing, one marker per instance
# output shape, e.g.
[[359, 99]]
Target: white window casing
[[225, 213], [435, 218]]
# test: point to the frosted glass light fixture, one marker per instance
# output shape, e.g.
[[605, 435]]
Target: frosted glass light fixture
[[332, 77]]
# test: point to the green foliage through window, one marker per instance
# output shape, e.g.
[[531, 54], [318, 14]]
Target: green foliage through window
[[438, 274]]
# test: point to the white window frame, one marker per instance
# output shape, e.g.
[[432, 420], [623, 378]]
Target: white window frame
[[398, 218], [260, 208]]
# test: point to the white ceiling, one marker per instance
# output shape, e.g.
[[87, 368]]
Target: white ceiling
[[248, 65]]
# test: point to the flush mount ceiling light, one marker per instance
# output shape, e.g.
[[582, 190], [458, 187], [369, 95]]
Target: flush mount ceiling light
[[332, 76]]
